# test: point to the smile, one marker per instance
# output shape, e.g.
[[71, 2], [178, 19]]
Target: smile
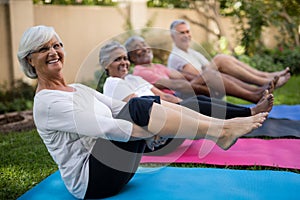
[[53, 61]]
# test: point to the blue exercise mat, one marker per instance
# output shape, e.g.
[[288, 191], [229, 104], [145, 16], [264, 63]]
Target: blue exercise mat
[[188, 183], [291, 112]]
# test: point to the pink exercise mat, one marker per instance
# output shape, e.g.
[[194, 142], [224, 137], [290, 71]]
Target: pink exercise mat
[[283, 153]]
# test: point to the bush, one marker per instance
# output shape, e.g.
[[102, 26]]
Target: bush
[[18, 98], [261, 62], [288, 57], [274, 60]]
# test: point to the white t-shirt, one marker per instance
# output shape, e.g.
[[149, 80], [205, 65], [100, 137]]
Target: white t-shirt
[[118, 88], [178, 59], [69, 124]]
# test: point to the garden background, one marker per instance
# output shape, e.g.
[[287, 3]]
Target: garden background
[[264, 34]]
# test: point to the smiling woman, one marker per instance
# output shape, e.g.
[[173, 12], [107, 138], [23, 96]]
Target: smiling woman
[[116, 65], [35, 46], [47, 61]]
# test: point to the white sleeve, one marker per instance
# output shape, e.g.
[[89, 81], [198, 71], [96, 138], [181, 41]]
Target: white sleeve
[[117, 88], [85, 116], [113, 104], [175, 61]]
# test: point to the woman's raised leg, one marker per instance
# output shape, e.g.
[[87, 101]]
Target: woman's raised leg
[[174, 121]]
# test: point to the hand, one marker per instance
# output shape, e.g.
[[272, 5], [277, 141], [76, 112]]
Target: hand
[[155, 141]]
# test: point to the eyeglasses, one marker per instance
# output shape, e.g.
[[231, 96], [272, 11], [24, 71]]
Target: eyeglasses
[[44, 49]]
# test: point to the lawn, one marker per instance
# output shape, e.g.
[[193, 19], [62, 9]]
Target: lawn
[[25, 161]]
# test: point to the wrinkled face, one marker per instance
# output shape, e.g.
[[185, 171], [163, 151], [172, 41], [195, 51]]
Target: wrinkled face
[[48, 60], [119, 64], [141, 54], [182, 37]]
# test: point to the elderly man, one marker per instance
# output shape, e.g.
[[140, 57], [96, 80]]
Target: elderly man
[[190, 62]]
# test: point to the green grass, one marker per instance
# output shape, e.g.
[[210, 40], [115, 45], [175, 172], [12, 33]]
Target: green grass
[[25, 160]]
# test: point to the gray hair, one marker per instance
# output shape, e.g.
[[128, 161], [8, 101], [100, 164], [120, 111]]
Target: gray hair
[[33, 39], [129, 44], [176, 23], [105, 52]]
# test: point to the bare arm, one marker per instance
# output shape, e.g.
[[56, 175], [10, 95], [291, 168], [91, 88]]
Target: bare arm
[[165, 96], [190, 69], [126, 99], [180, 85]]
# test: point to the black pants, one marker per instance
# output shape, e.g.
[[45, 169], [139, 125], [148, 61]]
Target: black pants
[[112, 164], [215, 107]]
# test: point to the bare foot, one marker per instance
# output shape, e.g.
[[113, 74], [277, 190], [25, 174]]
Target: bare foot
[[281, 73], [272, 84], [237, 127], [283, 80], [265, 104], [262, 92], [266, 89]]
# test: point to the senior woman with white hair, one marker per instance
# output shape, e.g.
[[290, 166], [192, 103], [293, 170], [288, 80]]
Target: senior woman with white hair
[[96, 141]]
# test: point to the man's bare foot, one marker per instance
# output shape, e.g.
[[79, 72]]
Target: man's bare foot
[[283, 80], [237, 127], [281, 73], [265, 104]]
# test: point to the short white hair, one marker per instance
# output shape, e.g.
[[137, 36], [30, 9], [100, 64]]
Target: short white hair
[[34, 38], [105, 53], [175, 23]]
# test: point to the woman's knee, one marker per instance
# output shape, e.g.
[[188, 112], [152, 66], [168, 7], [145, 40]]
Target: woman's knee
[[140, 107]]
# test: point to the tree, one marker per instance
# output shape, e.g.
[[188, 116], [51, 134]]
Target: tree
[[210, 11], [284, 15], [250, 17]]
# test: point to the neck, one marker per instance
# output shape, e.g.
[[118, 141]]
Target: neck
[[53, 84], [146, 64], [185, 49]]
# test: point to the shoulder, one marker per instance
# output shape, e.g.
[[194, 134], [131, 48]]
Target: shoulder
[[111, 80], [194, 52], [162, 67], [132, 77], [81, 86], [140, 70], [49, 95], [109, 85], [135, 79]]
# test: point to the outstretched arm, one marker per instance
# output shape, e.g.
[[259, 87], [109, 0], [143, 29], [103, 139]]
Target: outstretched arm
[[165, 96]]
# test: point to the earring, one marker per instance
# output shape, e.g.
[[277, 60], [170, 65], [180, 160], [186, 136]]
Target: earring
[[106, 72]]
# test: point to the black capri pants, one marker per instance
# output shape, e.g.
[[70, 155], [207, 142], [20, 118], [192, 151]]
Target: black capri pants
[[112, 164], [215, 107]]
